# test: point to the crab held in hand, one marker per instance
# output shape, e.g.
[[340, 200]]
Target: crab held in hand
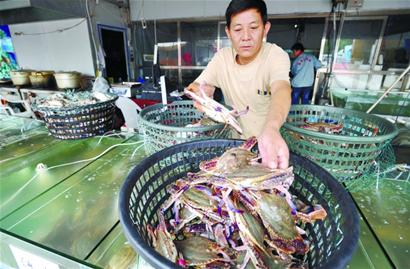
[[239, 167], [215, 110]]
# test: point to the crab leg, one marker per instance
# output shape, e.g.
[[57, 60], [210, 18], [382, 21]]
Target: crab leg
[[219, 234], [173, 198], [253, 252], [162, 240], [245, 261], [288, 197], [249, 143], [237, 113]]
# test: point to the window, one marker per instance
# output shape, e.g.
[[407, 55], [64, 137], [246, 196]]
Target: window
[[144, 42], [186, 47], [330, 41], [395, 48], [198, 42], [189, 75], [171, 77], [286, 32], [167, 38], [358, 44], [224, 41]]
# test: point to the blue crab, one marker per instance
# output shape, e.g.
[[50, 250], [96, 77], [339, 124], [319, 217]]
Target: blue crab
[[215, 110], [162, 240], [239, 168], [200, 251], [279, 218]]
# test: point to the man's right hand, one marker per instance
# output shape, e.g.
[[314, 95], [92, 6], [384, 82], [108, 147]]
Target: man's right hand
[[208, 89], [195, 87], [273, 149]]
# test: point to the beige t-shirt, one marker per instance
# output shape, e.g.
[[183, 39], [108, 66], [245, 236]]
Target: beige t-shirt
[[248, 85]]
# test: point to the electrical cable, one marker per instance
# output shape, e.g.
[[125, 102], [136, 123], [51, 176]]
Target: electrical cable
[[42, 168], [336, 29], [324, 83], [141, 11], [140, 15], [54, 31], [92, 33], [111, 133]]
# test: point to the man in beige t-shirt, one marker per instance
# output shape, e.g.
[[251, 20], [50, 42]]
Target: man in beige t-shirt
[[255, 74]]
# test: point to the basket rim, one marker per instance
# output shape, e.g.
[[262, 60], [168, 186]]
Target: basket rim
[[344, 138], [65, 109], [348, 244], [174, 128]]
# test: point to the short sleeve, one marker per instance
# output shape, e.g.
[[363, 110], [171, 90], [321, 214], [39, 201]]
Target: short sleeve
[[317, 63], [280, 64], [210, 73]]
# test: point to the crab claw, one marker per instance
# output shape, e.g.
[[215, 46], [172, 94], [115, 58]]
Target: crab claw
[[235, 124], [319, 213], [249, 143], [194, 96]]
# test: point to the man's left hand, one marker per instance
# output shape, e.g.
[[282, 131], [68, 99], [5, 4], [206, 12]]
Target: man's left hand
[[273, 149]]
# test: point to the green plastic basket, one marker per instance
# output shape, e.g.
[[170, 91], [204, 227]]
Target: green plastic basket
[[352, 153], [164, 126]]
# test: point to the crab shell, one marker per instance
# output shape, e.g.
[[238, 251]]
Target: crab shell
[[201, 204], [277, 218], [231, 160], [199, 251], [250, 226], [198, 199], [259, 177], [236, 166]]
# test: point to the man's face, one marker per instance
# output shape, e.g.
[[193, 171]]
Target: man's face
[[246, 33]]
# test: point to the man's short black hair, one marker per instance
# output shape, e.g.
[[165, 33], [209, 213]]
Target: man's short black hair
[[298, 46], [237, 6]]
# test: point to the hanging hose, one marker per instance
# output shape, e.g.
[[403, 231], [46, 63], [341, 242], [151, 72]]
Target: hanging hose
[[326, 80]]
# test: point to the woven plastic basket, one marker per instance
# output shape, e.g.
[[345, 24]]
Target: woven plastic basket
[[79, 122], [333, 240], [347, 155], [164, 126]]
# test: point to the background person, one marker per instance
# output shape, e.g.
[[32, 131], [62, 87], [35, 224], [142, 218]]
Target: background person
[[303, 72]]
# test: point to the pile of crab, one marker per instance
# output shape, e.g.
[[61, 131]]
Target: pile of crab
[[323, 127], [234, 213], [72, 99]]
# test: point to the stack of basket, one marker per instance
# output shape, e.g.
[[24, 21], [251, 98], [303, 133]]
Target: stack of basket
[[80, 121], [351, 154], [166, 125]]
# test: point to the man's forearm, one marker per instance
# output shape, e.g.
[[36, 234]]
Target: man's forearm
[[279, 106]]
